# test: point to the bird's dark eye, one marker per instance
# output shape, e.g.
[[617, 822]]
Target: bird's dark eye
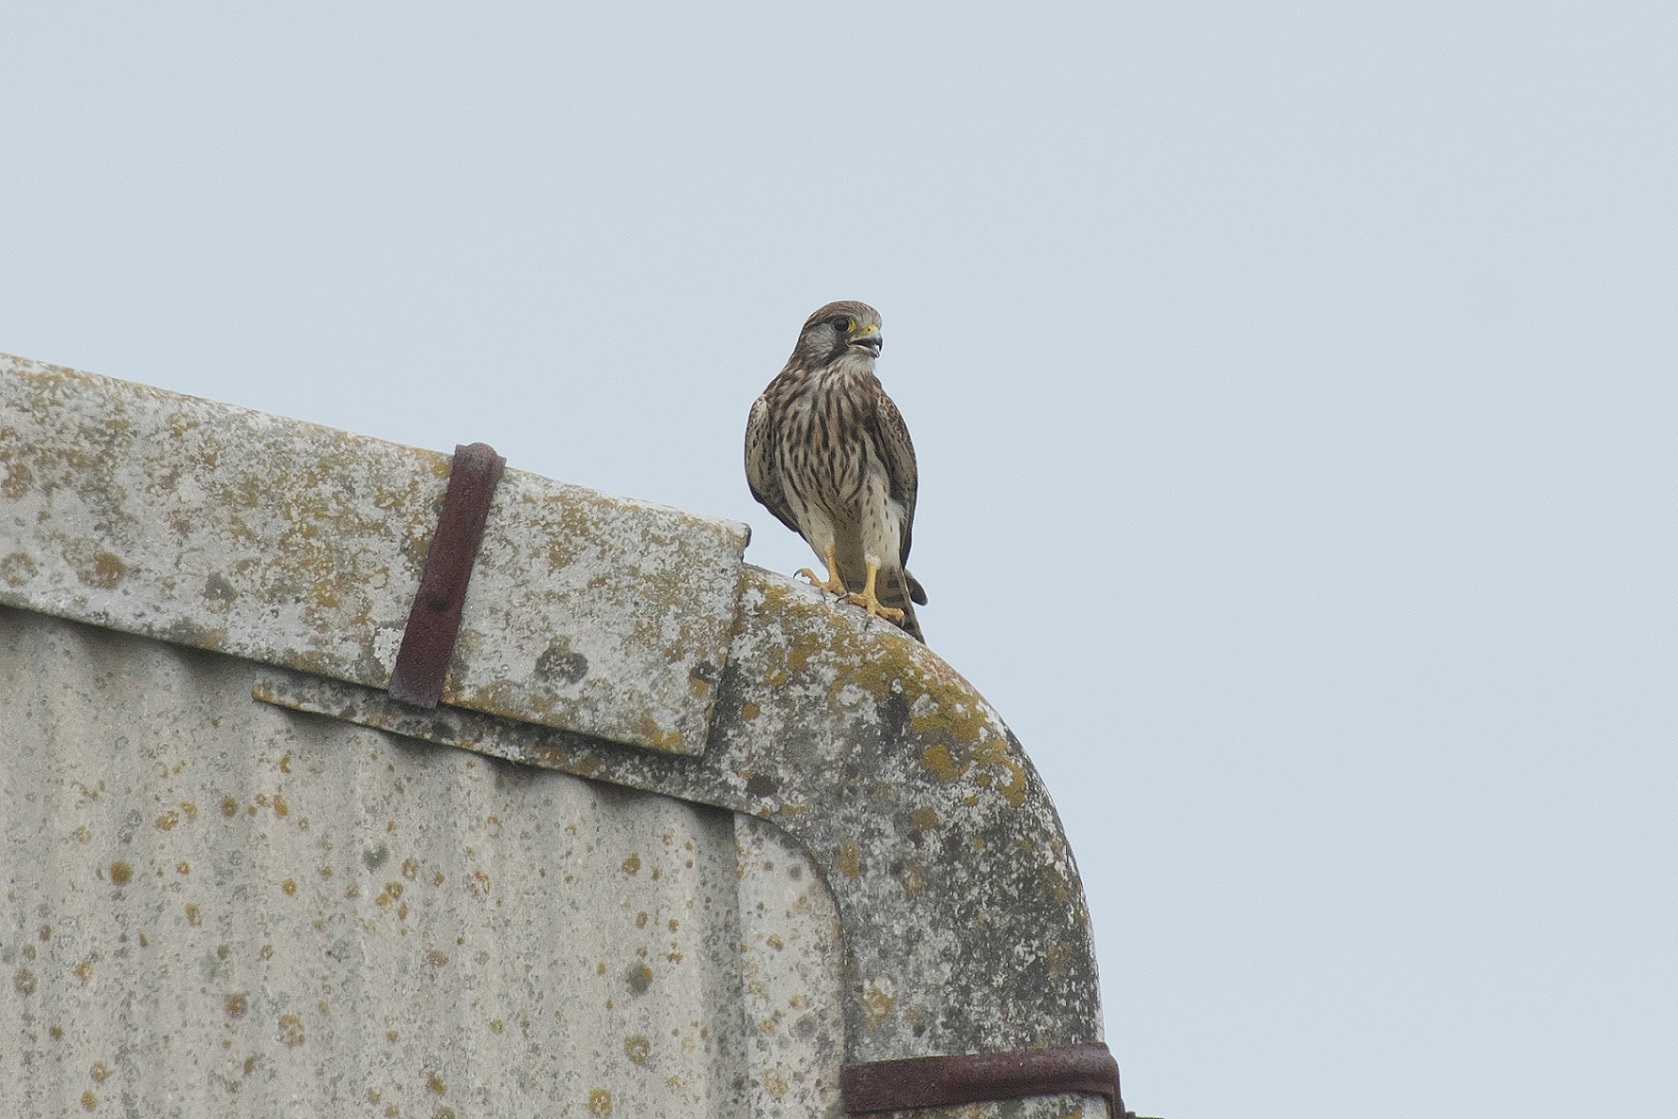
[[843, 324]]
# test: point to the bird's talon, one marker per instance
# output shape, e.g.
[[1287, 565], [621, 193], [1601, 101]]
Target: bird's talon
[[831, 586], [875, 608]]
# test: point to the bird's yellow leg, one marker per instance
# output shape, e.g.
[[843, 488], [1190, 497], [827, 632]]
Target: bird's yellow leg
[[831, 584], [869, 602]]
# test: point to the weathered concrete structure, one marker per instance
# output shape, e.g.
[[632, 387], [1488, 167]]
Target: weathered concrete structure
[[684, 839]]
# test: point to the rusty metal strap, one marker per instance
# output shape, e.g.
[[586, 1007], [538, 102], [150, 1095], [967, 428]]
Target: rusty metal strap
[[422, 663], [977, 1077]]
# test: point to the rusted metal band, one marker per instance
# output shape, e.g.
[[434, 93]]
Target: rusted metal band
[[422, 663], [977, 1077]]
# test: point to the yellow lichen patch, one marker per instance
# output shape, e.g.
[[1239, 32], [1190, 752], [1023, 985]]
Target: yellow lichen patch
[[99, 1072], [879, 672], [995, 753], [167, 821], [17, 480], [121, 872], [289, 886], [600, 1103], [229, 806], [848, 861], [1058, 887], [637, 1048], [108, 570], [877, 1005], [18, 568], [237, 1005], [803, 647], [194, 917], [1060, 958], [656, 737], [943, 765], [949, 720], [291, 1030], [750, 711], [440, 465], [912, 877], [632, 865], [775, 596], [89, 1100], [434, 1084], [774, 1084], [924, 818], [436, 958]]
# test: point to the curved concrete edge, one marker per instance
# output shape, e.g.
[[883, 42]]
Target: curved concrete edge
[[224, 529], [966, 929]]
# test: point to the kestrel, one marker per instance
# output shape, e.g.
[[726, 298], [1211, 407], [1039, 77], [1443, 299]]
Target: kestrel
[[827, 452]]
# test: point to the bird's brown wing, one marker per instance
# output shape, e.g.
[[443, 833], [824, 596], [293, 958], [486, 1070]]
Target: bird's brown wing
[[891, 435], [761, 472]]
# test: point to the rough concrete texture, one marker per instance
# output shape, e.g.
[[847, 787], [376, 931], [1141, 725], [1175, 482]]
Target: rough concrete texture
[[895, 787], [965, 924], [216, 907], [238, 532]]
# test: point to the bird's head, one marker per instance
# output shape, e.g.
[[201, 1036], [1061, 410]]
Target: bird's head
[[839, 330]]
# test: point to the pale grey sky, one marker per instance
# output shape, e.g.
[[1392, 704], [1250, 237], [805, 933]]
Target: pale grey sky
[[1295, 390]]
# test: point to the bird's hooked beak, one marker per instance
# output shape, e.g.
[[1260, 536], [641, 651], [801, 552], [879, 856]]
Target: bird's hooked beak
[[865, 337]]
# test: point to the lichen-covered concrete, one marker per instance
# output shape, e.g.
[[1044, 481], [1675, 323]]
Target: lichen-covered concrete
[[229, 530], [965, 924], [858, 772], [210, 906]]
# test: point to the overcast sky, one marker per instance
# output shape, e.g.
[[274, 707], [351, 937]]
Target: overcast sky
[[1295, 390]]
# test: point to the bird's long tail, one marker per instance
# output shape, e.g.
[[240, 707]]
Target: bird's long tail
[[900, 589]]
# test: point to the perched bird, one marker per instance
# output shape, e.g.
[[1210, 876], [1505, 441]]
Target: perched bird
[[827, 452]]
